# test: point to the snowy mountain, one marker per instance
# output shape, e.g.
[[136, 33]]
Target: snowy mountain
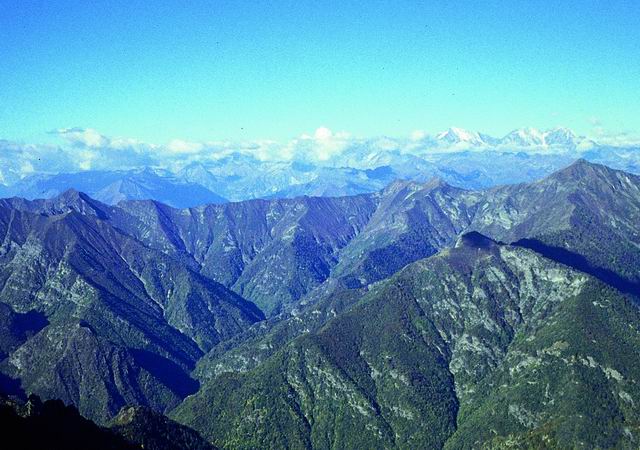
[[351, 166], [559, 138], [459, 136], [524, 137]]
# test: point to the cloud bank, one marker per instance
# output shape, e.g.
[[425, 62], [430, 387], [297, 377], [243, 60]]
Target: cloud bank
[[83, 149]]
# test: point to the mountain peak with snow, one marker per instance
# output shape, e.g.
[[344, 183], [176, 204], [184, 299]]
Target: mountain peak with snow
[[532, 137], [456, 135], [561, 136], [525, 137]]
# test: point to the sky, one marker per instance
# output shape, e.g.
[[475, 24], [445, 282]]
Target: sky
[[246, 70]]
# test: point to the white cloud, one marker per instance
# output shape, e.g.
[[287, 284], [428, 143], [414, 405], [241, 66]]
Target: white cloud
[[323, 134], [621, 139], [604, 136], [418, 135], [386, 144], [19, 160], [85, 137], [26, 168], [85, 159], [87, 149], [180, 146], [319, 147]]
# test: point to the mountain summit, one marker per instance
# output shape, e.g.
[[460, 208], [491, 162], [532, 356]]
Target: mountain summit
[[458, 136]]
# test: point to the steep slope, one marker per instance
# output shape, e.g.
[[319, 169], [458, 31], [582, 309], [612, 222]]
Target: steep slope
[[115, 318], [253, 346], [585, 215], [393, 371], [440, 212], [16, 328], [127, 300], [568, 382], [270, 252], [412, 221], [238, 243], [276, 252]]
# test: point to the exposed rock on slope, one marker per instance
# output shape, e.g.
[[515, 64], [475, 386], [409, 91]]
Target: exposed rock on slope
[[117, 319], [392, 371]]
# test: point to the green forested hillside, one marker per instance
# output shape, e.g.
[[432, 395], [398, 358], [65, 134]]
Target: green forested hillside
[[421, 362]]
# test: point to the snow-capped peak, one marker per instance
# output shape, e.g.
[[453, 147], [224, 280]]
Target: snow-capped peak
[[560, 136], [525, 137], [458, 135], [532, 137]]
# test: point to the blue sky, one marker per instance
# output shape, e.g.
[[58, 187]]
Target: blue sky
[[275, 69]]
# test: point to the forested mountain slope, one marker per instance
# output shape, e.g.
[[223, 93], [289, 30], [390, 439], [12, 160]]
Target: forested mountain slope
[[117, 322], [427, 352]]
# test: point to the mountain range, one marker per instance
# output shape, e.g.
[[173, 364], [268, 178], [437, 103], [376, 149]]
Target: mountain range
[[327, 166], [420, 315]]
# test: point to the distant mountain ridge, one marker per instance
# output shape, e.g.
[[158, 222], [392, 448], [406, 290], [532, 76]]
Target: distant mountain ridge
[[116, 186], [467, 159], [519, 138]]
